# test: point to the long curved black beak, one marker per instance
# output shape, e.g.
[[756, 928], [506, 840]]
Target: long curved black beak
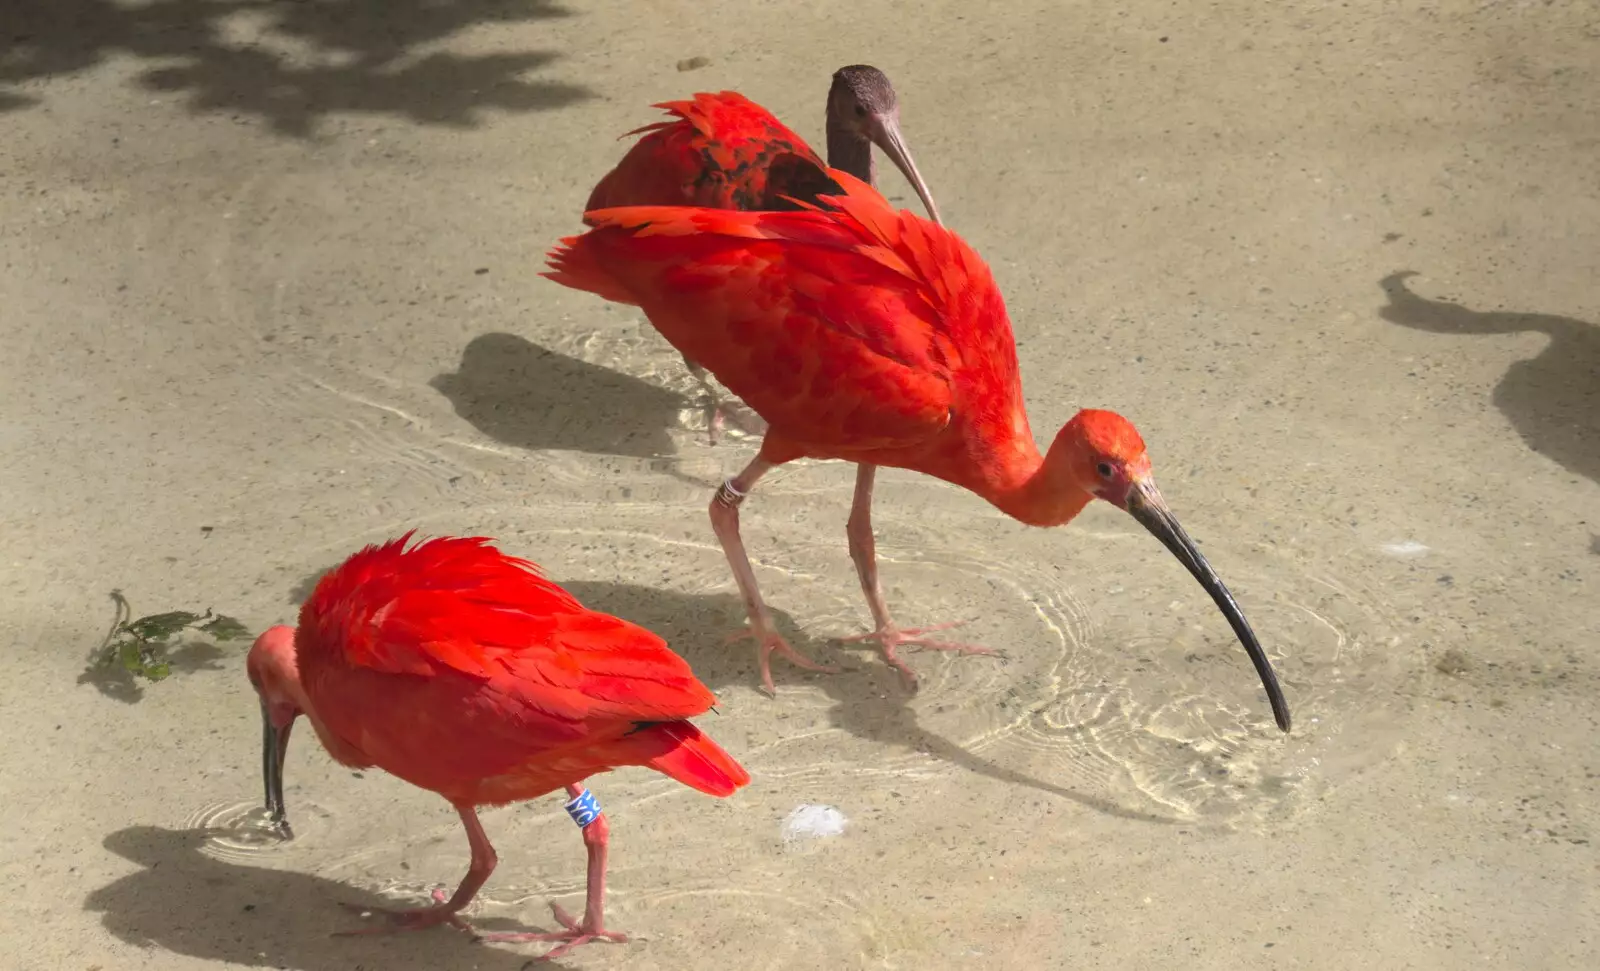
[[884, 130], [1146, 505], [274, 746]]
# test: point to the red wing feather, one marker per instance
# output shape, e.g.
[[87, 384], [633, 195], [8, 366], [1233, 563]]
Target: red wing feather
[[683, 752]]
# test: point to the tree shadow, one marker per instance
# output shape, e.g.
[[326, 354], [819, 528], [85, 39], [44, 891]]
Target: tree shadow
[[186, 901], [1553, 400], [297, 62], [869, 699], [527, 396]]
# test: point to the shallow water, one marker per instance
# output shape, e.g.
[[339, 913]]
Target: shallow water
[[255, 321]]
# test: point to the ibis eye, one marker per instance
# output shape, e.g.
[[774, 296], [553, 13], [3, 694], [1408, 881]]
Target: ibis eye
[[1105, 470], [861, 111]]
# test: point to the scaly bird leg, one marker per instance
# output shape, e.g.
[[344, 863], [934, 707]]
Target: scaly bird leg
[[446, 911], [725, 522], [864, 551], [585, 811]]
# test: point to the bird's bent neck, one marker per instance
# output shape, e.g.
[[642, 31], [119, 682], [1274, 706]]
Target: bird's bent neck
[[849, 151], [1036, 489], [281, 674], [288, 680]]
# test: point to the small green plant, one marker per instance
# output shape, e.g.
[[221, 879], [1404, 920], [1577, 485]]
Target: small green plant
[[140, 646]]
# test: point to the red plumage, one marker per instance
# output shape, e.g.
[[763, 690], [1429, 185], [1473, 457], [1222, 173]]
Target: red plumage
[[465, 671], [857, 331], [724, 151], [721, 151]]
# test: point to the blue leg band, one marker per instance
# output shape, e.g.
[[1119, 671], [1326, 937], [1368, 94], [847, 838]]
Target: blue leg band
[[584, 810]]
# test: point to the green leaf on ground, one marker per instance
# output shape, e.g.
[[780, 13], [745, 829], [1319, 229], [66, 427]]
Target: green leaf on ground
[[159, 627], [140, 647], [224, 628]]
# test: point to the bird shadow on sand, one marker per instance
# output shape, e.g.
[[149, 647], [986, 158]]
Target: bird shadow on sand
[[530, 397], [1553, 399], [186, 901], [527, 396], [291, 64], [869, 700]]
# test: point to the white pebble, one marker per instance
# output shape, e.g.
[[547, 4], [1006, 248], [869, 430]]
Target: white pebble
[[808, 822], [1408, 547]]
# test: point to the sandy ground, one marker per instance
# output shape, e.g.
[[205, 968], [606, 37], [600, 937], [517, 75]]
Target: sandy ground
[[268, 293]]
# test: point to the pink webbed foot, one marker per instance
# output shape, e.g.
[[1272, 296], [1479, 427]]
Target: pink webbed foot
[[414, 919], [769, 642], [575, 935], [891, 638]]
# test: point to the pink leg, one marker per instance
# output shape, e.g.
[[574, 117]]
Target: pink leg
[[725, 522], [446, 911], [592, 928], [864, 551]]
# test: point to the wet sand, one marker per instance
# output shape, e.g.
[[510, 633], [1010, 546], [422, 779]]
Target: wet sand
[[268, 293]]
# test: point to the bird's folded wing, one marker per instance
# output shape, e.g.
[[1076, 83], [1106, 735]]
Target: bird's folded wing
[[458, 610], [715, 152], [839, 327], [571, 665]]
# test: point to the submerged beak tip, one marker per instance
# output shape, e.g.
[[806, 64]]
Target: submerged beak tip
[[275, 745], [1145, 504]]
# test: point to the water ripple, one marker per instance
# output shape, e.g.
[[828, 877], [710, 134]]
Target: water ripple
[[242, 832]]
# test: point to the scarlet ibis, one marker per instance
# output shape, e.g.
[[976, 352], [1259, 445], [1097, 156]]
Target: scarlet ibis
[[873, 336], [465, 672], [724, 151]]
